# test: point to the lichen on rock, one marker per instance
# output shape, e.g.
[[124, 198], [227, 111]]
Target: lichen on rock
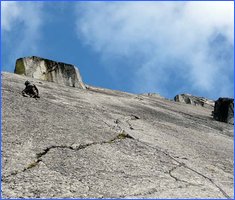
[[19, 67], [48, 70]]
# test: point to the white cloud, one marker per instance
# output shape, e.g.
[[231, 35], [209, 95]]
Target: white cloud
[[21, 25], [160, 33], [10, 13]]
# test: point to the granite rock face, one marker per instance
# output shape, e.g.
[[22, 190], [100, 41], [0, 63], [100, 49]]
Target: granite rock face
[[100, 143], [224, 110], [193, 100], [48, 70], [153, 95]]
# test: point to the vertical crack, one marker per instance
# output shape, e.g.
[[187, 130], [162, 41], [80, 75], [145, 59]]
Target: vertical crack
[[181, 164], [173, 169]]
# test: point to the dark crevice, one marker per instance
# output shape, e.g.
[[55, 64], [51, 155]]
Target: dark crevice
[[174, 177], [131, 117], [120, 136], [181, 164], [200, 174], [170, 172], [39, 155]]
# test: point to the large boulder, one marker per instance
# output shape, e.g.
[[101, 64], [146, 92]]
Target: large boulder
[[223, 110], [48, 70], [194, 100]]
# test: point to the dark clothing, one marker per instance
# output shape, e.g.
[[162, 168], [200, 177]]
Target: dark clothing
[[30, 91]]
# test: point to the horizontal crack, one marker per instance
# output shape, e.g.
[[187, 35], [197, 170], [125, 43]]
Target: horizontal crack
[[120, 136], [39, 156]]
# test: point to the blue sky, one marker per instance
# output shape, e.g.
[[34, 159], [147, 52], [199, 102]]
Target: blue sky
[[138, 47]]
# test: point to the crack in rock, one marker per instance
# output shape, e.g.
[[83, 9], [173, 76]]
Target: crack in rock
[[131, 117], [204, 176], [181, 164], [173, 169], [120, 136], [198, 173], [150, 191], [177, 178], [39, 156]]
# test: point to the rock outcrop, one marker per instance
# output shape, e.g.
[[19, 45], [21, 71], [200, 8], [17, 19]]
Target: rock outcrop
[[153, 95], [193, 100], [48, 70], [224, 110], [100, 143]]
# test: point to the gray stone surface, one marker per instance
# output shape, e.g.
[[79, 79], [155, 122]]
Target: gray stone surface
[[194, 100], [102, 143], [49, 70]]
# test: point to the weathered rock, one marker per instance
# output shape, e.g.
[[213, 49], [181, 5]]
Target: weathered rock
[[48, 70], [100, 143], [194, 100], [153, 95], [224, 110]]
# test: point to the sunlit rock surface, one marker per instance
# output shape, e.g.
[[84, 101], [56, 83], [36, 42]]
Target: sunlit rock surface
[[48, 70], [100, 143], [194, 100]]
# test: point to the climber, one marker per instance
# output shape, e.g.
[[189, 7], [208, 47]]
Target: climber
[[30, 90]]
